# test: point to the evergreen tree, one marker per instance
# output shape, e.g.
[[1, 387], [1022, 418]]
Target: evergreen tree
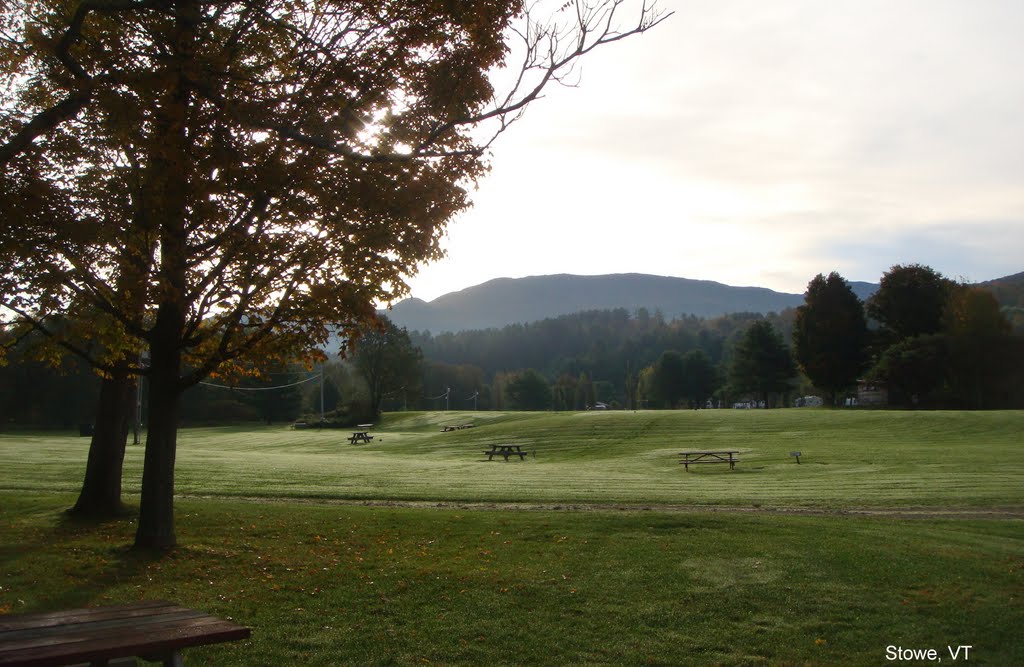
[[762, 364], [668, 379], [830, 335]]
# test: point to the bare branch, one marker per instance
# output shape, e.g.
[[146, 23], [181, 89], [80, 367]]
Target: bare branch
[[544, 54]]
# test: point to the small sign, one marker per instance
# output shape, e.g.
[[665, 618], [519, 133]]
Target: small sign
[[797, 455]]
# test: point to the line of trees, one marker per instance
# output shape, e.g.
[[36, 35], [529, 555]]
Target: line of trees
[[943, 344], [928, 341], [925, 340]]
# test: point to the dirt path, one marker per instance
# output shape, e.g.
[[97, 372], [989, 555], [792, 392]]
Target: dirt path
[[1010, 512]]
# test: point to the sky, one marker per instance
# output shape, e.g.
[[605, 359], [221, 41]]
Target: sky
[[761, 143]]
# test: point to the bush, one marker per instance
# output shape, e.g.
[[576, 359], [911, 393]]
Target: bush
[[341, 417]]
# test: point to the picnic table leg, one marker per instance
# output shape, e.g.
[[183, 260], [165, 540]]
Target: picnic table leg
[[172, 659]]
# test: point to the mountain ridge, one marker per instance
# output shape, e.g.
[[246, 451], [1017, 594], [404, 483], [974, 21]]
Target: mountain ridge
[[502, 301]]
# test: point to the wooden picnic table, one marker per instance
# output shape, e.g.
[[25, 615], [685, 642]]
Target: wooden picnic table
[[456, 427], [154, 630], [505, 451], [724, 456], [362, 435]]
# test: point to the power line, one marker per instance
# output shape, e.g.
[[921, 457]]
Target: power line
[[280, 386]]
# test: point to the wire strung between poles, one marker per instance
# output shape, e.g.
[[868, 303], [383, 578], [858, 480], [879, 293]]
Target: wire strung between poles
[[280, 386]]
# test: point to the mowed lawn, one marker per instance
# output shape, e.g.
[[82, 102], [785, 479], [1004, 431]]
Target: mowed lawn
[[326, 583], [849, 459]]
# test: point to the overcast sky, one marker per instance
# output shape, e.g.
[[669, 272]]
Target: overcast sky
[[760, 143]]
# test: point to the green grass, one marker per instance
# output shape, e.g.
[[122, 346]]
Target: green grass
[[345, 585], [327, 583], [850, 459]]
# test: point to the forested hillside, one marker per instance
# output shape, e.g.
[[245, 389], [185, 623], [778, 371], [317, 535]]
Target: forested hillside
[[1009, 291], [589, 358], [604, 346]]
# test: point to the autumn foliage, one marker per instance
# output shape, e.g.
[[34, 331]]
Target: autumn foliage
[[212, 182]]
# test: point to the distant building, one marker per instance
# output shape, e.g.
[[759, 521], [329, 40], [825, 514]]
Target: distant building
[[870, 394]]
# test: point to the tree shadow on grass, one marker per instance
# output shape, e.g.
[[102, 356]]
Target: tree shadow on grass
[[71, 562]]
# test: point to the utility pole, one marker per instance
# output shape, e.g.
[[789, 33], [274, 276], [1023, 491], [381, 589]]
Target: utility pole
[[137, 429]]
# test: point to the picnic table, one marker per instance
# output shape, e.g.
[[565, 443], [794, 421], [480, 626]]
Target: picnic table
[[505, 451], [726, 456], [362, 435], [154, 630], [457, 427]]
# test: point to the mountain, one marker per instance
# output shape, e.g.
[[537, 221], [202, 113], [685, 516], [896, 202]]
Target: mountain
[[503, 301], [1008, 290], [1016, 279]]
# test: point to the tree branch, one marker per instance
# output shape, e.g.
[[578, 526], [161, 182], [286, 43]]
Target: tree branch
[[45, 121], [48, 119]]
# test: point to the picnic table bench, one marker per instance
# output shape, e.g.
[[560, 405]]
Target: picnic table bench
[[154, 630], [362, 435], [505, 451], [692, 458]]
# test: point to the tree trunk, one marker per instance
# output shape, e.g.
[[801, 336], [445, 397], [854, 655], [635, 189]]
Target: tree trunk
[[100, 497], [156, 511], [170, 165]]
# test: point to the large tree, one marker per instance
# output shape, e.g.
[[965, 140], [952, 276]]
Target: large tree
[[226, 180], [982, 362], [529, 390], [387, 361], [700, 378], [914, 371], [830, 335], [762, 365], [667, 379], [43, 225], [910, 301]]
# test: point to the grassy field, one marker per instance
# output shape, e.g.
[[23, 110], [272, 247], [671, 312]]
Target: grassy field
[[850, 459], [343, 585], [321, 582]]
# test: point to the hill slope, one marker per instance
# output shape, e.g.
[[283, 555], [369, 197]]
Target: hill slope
[[1008, 290], [504, 301]]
